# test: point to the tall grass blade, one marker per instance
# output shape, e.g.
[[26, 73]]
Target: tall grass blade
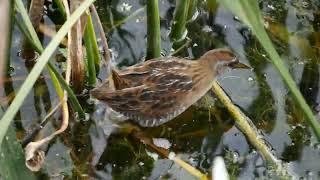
[[248, 11], [73, 99], [25, 18], [61, 9], [93, 39], [93, 58]]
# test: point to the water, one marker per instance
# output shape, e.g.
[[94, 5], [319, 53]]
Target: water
[[99, 148]]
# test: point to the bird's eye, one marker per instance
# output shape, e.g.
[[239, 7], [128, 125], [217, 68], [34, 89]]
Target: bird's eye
[[229, 56]]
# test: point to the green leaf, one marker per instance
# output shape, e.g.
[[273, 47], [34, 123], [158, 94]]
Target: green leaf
[[73, 99], [60, 6], [248, 11], [25, 17], [12, 158], [180, 20], [35, 72], [92, 52]]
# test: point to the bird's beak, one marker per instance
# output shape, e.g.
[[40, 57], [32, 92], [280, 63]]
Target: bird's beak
[[238, 65]]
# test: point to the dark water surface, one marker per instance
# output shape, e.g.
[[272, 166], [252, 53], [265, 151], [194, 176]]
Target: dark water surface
[[90, 148]]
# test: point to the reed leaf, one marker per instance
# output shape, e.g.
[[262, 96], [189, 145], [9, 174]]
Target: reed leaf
[[28, 25], [180, 20], [61, 9], [93, 58], [94, 41], [35, 72], [248, 11], [73, 99], [22, 27]]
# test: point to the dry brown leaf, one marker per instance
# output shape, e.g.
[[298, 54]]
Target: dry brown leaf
[[4, 29], [34, 158], [76, 52], [36, 12]]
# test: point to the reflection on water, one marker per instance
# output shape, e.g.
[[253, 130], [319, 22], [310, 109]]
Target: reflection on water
[[98, 148]]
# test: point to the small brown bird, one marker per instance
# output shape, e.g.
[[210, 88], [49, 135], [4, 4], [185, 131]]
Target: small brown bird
[[156, 91]]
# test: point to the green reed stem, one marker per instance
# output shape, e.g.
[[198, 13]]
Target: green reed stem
[[61, 8], [212, 6], [90, 61], [192, 8], [153, 30], [180, 20], [5, 42]]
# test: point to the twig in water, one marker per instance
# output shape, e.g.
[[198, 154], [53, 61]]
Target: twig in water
[[30, 137], [140, 136]]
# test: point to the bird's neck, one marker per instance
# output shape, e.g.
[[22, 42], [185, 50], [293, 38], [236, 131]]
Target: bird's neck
[[211, 65], [204, 74]]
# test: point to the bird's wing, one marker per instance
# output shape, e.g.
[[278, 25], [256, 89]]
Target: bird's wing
[[137, 74], [158, 63], [152, 103]]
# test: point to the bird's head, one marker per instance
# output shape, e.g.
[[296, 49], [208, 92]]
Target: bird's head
[[220, 59]]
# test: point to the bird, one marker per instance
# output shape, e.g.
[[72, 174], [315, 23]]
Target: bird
[[153, 92]]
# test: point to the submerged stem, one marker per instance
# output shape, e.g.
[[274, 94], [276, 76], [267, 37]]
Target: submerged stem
[[244, 124]]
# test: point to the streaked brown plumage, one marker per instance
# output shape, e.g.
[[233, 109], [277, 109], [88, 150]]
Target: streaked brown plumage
[[154, 92]]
